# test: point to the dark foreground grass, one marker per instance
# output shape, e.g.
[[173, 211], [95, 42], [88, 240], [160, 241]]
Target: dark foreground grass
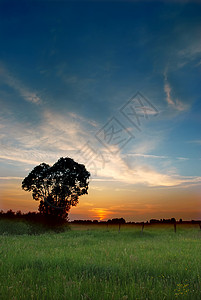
[[99, 263]]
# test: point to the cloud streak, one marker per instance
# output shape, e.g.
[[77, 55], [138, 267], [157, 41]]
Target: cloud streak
[[175, 104], [18, 86], [135, 173], [63, 135], [57, 135], [196, 142], [11, 178]]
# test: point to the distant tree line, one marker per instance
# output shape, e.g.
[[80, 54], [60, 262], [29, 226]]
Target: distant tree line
[[40, 218], [113, 221], [172, 220]]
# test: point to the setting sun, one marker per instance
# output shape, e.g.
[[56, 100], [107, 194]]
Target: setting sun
[[100, 214]]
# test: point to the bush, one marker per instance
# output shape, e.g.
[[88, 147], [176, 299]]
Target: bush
[[20, 227], [10, 227]]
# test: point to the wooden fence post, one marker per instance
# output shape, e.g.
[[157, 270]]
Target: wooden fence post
[[142, 227], [175, 227]]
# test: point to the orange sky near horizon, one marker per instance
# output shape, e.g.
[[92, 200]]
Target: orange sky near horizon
[[104, 202]]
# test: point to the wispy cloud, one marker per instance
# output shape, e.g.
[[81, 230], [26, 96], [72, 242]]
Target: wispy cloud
[[191, 52], [31, 157], [57, 135], [18, 86], [157, 156], [84, 120], [145, 143], [11, 178], [196, 142], [147, 155], [64, 134], [182, 158], [137, 173], [175, 104]]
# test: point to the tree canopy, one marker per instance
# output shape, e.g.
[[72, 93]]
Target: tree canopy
[[57, 187]]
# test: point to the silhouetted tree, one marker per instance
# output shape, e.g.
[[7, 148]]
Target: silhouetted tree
[[57, 187], [117, 221], [10, 213]]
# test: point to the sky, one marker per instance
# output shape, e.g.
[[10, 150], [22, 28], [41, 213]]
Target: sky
[[114, 85]]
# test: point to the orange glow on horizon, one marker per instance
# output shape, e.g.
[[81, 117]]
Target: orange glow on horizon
[[137, 205], [101, 214]]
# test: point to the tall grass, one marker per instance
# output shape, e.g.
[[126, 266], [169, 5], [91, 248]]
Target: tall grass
[[100, 263]]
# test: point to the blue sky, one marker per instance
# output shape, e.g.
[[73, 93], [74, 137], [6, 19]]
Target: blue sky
[[67, 68]]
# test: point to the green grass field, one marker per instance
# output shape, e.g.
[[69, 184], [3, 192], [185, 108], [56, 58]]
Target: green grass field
[[97, 262]]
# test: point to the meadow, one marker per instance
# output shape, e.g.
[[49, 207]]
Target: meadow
[[96, 262]]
